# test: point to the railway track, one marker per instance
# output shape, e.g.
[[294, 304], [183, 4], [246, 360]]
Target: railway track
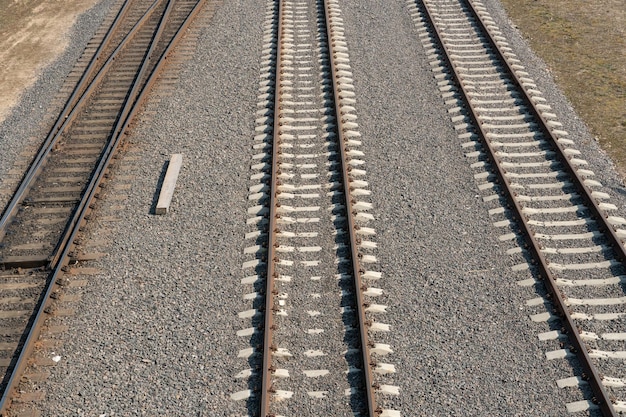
[[312, 327], [313, 330], [544, 198], [40, 225]]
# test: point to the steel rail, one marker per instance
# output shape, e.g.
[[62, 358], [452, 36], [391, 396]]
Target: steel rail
[[128, 105], [144, 67], [372, 408], [161, 61], [267, 368], [578, 347], [82, 211], [585, 192], [271, 274], [69, 235], [65, 118]]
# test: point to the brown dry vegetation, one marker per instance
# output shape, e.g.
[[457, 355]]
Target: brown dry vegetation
[[32, 34], [584, 44]]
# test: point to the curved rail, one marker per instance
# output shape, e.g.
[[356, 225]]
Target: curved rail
[[67, 115], [128, 105], [131, 107], [579, 348], [616, 242], [62, 121]]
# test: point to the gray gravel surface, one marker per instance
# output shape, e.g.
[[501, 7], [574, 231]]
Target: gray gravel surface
[[464, 342], [154, 333], [585, 142], [27, 118]]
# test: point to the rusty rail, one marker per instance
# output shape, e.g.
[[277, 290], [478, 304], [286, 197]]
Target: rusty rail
[[271, 274], [372, 408], [67, 115], [616, 242], [117, 130], [601, 396], [269, 326], [133, 101]]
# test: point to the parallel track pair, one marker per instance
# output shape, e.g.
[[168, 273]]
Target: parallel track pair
[[479, 72], [536, 173], [310, 110], [41, 223]]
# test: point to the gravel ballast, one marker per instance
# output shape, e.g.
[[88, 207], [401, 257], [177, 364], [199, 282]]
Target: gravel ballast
[[465, 343], [28, 118], [154, 331], [153, 334]]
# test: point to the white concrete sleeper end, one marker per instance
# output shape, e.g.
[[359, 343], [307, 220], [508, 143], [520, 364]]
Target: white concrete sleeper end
[[167, 189]]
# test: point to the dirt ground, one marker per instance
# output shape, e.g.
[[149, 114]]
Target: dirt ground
[[584, 44], [32, 34]]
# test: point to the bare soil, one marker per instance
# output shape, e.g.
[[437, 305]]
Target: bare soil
[[584, 44], [32, 34]]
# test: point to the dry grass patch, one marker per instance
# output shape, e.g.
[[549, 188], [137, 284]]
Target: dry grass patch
[[32, 34], [584, 44]]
